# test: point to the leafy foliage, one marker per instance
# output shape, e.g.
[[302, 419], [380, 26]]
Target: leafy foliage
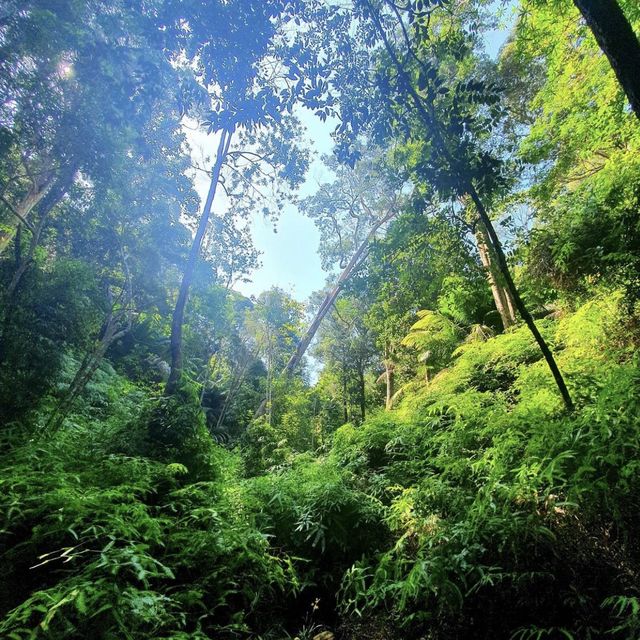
[[252, 501]]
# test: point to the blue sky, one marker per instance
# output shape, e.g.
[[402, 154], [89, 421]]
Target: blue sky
[[290, 256]]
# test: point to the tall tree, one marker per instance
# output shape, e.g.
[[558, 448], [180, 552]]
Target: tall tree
[[501, 295], [618, 41], [349, 212], [422, 99], [187, 277], [252, 102]]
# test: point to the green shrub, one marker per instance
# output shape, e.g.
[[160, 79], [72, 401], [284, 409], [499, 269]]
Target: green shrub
[[506, 514], [314, 513], [100, 544]]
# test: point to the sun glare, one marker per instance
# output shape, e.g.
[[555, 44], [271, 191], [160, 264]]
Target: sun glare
[[65, 69]]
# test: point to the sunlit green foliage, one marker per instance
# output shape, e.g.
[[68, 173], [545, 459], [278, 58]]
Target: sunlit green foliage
[[416, 475], [584, 140], [492, 501]]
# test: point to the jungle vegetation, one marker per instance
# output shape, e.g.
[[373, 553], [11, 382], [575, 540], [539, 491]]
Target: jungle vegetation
[[443, 443]]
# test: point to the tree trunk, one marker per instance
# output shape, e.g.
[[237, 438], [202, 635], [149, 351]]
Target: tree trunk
[[510, 304], [618, 42], [356, 260], [388, 368], [116, 325], [109, 334], [363, 403], [22, 209], [175, 373], [83, 375], [18, 246], [301, 348], [52, 198], [522, 309], [235, 387], [500, 294]]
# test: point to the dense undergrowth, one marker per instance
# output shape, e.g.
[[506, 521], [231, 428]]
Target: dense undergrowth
[[184, 457], [476, 509]]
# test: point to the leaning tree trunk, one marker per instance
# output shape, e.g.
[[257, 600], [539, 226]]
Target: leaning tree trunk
[[116, 325], [501, 296], [23, 262], [515, 294], [508, 298], [20, 211], [83, 376], [301, 348], [53, 196], [618, 42], [356, 260], [175, 373]]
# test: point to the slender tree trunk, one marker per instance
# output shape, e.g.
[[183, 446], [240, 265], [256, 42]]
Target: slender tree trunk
[[500, 294], [24, 263], [269, 382], [618, 42], [363, 404], [522, 309], [83, 375], [234, 388], [18, 246], [356, 260], [389, 376], [175, 373], [207, 376], [345, 395]]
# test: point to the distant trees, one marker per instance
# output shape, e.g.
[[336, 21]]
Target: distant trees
[[347, 351], [275, 325]]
